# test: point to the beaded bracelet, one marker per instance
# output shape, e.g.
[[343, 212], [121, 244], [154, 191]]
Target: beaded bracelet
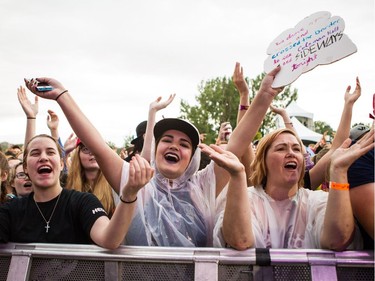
[[128, 202], [338, 186]]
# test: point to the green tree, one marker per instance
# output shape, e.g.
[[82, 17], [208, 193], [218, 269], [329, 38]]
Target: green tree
[[127, 140], [321, 127], [218, 102]]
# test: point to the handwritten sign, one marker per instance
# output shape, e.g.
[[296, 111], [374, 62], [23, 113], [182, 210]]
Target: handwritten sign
[[317, 39]]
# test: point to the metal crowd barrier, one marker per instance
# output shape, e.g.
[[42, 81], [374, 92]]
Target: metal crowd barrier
[[88, 262]]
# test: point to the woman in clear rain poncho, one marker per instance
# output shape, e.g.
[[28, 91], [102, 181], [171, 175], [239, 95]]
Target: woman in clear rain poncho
[[177, 207], [174, 211], [278, 213]]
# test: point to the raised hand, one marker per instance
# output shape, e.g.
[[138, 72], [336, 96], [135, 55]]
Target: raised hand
[[278, 110], [52, 120], [345, 155], [352, 97], [30, 109], [158, 104], [239, 79], [223, 158], [267, 81], [70, 143], [58, 88], [155, 106]]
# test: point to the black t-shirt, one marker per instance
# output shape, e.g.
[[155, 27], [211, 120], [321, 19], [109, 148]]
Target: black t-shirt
[[75, 214], [362, 170]]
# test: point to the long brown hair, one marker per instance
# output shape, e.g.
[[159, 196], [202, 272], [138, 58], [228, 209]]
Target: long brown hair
[[78, 181], [258, 166], [4, 170]]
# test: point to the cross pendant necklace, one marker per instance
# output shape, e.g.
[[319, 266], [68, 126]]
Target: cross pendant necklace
[[47, 227]]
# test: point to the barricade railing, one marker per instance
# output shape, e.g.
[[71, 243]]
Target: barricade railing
[[88, 262]]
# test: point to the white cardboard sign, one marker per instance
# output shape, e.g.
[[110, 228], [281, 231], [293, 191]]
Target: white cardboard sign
[[317, 39]]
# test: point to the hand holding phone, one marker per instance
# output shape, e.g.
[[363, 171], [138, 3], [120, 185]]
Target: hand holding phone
[[44, 87]]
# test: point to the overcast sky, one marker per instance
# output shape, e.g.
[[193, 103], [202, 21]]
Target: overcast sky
[[116, 57]]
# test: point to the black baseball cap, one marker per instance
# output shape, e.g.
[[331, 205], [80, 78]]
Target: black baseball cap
[[177, 124], [140, 130]]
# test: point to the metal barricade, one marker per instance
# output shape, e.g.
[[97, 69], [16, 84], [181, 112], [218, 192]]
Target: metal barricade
[[88, 262]]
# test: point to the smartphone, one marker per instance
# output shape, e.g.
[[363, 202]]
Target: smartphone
[[227, 135], [43, 87]]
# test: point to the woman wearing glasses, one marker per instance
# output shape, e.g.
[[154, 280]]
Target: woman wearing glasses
[[20, 181], [84, 174]]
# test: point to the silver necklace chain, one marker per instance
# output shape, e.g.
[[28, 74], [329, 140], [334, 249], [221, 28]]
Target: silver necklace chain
[[47, 227]]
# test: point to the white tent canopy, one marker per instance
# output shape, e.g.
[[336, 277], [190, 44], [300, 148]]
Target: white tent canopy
[[305, 133], [294, 110]]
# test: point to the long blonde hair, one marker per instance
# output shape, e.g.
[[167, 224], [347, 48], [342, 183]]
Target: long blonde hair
[[78, 181]]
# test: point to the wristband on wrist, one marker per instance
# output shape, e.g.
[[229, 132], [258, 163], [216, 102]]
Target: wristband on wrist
[[63, 92], [243, 107], [31, 117], [288, 123], [338, 186], [128, 202]]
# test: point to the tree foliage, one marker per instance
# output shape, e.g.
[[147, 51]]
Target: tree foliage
[[218, 102], [127, 140], [321, 127]]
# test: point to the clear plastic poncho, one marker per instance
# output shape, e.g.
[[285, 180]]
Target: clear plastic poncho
[[293, 223], [177, 215]]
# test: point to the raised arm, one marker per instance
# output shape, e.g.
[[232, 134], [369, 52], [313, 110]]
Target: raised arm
[[286, 119], [317, 173], [53, 124], [31, 111], [246, 130], [343, 129], [251, 121], [243, 89], [155, 106], [236, 228], [69, 145], [109, 161], [339, 222]]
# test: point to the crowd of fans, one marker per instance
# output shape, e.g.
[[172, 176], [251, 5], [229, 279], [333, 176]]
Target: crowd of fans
[[174, 190]]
